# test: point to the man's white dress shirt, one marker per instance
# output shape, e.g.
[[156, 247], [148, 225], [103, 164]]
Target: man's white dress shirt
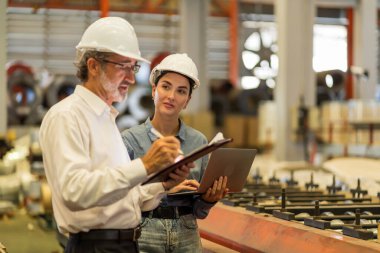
[[94, 183]]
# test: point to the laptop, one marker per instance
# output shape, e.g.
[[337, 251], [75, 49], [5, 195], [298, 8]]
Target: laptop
[[235, 163]]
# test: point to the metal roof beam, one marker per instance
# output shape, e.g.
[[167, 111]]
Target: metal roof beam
[[318, 3]]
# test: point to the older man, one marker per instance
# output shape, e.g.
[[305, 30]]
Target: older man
[[96, 192]]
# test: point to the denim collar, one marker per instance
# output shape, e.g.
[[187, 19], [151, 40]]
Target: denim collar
[[181, 134]]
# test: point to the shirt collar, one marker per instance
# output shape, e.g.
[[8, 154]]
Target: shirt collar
[[180, 135], [94, 101]]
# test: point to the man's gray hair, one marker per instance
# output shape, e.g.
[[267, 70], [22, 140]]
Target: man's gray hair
[[81, 62]]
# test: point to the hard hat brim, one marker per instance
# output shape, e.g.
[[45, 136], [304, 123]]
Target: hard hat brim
[[158, 73], [129, 55]]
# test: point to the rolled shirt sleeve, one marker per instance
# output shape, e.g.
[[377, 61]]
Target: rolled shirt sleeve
[[201, 208], [151, 195]]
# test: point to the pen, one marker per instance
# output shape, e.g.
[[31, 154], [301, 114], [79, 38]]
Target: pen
[[159, 135]]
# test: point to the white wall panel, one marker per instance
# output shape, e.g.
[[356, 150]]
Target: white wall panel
[[47, 38]]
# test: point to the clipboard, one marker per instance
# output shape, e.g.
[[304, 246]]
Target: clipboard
[[163, 174]]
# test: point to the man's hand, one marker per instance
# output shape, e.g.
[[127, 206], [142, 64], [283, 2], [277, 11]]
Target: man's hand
[[162, 153], [178, 176], [217, 191], [185, 185]]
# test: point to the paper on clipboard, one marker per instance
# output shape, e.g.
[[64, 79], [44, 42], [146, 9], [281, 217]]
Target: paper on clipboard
[[196, 154], [219, 136]]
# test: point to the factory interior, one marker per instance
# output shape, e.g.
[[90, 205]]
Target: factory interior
[[296, 80]]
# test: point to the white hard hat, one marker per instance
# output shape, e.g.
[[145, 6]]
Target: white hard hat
[[111, 34], [179, 63]]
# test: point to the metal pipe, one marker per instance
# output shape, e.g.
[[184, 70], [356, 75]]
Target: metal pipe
[[3, 60]]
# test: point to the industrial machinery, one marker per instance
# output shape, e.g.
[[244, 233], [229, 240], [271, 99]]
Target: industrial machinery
[[277, 216], [24, 95]]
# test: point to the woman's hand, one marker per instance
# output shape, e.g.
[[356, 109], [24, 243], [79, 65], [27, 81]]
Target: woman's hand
[[186, 185], [178, 176], [217, 191]]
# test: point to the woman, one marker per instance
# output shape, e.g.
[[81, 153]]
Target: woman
[[172, 226]]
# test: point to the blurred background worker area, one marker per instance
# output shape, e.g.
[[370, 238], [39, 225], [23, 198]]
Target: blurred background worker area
[[97, 97]]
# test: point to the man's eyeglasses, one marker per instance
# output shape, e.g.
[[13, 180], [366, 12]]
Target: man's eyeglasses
[[127, 68]]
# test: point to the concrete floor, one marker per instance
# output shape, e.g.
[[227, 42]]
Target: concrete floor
[[24, 234]]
